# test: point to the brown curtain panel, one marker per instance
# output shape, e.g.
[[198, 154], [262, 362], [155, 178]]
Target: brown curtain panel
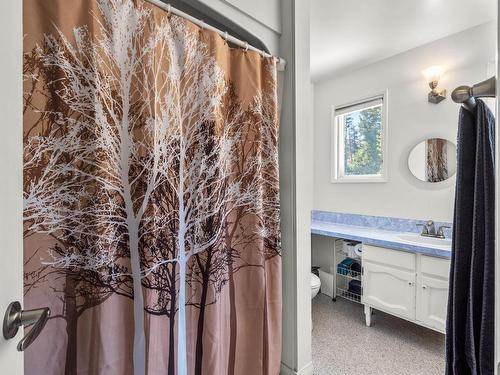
[[151, 194]]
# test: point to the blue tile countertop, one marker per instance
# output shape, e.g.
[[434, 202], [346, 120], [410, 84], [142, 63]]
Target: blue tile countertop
[[398, 234]]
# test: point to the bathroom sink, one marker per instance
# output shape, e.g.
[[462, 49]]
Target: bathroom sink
[[421, 240]]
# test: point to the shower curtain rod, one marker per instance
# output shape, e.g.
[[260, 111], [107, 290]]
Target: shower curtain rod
[[466, 95], [280, 62]]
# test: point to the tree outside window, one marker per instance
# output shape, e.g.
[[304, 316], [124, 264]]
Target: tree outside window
[[359, 142]]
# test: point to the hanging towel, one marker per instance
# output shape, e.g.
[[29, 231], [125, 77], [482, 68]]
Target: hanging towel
[[470, 321]]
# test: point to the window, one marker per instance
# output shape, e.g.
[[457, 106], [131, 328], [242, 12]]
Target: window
[[359, 141]]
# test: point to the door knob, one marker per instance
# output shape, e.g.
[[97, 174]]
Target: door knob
[[16, 317]]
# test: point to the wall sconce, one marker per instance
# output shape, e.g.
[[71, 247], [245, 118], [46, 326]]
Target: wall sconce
[[433, 74]]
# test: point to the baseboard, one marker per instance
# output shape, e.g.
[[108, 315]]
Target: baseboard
[[306, 370]]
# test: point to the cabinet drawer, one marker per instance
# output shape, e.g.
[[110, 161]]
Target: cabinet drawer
[[435, 266], [390, 257]]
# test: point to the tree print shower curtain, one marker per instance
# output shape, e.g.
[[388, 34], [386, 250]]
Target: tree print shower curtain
[[151, 194]]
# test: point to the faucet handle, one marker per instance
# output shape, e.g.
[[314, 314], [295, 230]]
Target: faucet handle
[[424, 228], [440, 231], [429, 223]]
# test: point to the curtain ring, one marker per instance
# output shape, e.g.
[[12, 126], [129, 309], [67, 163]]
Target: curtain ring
[[246, 46], [225, 36], [169, 10], [202, 24]]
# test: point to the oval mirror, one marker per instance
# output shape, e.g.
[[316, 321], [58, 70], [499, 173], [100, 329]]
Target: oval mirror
[[433, 160]]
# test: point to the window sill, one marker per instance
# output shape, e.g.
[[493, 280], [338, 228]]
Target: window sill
[[360, 180]]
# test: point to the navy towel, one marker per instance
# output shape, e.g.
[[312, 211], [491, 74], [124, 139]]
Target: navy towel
[[471, 315]]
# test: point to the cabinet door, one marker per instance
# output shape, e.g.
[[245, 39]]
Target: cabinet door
[[432, 300], [390, 289]]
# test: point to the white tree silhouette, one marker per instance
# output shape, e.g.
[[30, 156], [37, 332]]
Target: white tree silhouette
[[264, 107], [102, 172]]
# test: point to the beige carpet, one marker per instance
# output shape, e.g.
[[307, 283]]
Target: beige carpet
[[343, 345]]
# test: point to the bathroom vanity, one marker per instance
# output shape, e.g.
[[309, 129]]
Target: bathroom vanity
[[403, 273], [409, 285]]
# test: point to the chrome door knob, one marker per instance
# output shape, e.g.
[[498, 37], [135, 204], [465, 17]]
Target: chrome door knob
[[16, 317]]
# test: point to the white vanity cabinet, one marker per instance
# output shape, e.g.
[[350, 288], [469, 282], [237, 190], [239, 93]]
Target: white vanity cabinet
[[410, 286], [388, 281], [432, 292]]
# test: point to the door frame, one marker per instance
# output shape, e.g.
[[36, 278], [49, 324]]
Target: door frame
[[497, 209], [11, 201]]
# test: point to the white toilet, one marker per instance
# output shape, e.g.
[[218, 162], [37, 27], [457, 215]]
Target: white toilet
[[315, 285]]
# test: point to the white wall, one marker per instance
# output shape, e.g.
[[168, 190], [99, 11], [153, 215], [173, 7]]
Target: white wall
[[260, 17], [266, 12], [410, 119]]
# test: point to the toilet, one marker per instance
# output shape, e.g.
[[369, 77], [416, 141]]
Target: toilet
[[315, 285]]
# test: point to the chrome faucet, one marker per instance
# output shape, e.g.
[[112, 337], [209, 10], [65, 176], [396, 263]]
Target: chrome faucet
[[429, 230]]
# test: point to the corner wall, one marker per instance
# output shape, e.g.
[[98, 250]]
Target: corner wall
[[261, 18], [296, 189]]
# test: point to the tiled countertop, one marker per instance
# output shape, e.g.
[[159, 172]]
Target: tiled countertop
[[376, 236]]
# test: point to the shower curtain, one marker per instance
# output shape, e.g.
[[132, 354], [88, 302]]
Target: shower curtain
[[151, 194]]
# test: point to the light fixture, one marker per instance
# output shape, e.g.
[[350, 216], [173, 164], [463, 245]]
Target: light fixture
[[433, 74]]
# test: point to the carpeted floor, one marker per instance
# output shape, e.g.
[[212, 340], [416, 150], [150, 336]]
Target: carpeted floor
[[343, 345]]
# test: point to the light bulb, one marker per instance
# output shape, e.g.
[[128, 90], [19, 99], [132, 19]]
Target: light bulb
[[433, 73]]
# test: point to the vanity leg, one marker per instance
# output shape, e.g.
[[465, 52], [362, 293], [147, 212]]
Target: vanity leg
[[368, 315], [334, 258]]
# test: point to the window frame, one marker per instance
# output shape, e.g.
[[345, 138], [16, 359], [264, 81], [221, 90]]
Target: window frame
[[337, 147]]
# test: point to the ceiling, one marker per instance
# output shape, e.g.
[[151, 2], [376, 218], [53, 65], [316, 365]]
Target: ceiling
[[349, 34]]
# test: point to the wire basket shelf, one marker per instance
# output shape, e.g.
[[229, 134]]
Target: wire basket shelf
[[348, 282], [344, 293], [348, 274]]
